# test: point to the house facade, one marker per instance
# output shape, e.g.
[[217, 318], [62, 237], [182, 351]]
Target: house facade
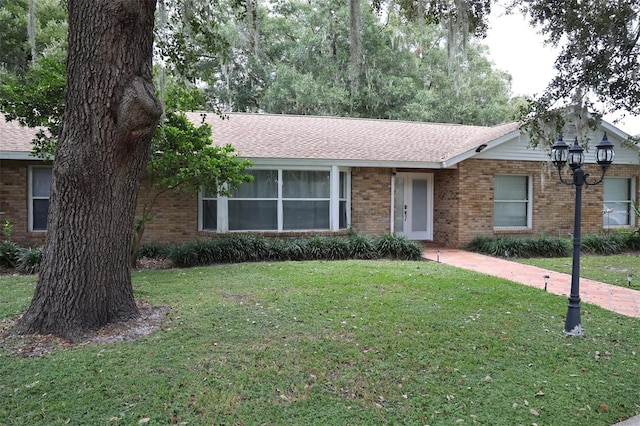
[[443, 183]]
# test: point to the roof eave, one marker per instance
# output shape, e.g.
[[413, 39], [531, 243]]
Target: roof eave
[[453, 161], [18, 155], [263, 161]]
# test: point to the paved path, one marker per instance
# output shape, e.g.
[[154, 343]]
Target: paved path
[[614, 298]]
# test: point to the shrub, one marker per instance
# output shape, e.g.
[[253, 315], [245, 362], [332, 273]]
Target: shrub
[[248, 248], [398, 247], [9, 254], [603, 244], [337, 248], [521, 247], [29, 260], [632, 240], [154, 251], [362, 247]]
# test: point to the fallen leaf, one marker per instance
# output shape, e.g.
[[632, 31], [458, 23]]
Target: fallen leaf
[[540, 393], [603, 408], [534, 412], [145, 420]]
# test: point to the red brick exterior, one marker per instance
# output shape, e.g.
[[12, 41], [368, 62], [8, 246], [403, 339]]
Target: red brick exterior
[[371, 200], [463, 203], [14, 201], [174, 216]]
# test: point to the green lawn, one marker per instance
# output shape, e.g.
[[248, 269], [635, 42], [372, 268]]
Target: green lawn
[[608, 269], [333, 343]]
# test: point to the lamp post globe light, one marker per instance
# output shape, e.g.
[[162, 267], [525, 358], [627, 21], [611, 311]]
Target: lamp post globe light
[[561, 155]]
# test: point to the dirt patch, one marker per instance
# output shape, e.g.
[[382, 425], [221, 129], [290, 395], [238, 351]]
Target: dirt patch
[[151, 319], [152, 263]]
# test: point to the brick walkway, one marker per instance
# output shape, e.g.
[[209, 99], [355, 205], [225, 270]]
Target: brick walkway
[[614, 298]]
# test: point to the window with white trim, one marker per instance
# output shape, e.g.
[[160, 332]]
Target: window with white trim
[[39, 187], [281, 200], [618, 198], [512, 201]]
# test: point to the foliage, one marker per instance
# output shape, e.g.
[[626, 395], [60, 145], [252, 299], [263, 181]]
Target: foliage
[[183, 156], [9, 253], [154, 250], [50, 30], [249, 248], [334, 343], [599, 56], [7, 228], [521, 247], [394, 246], [36, 99], [29, 260], [302, 66], [612, 243]]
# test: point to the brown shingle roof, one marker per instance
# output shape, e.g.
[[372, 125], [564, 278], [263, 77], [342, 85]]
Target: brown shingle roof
[[333, 138], [14, 137], [289, 137]]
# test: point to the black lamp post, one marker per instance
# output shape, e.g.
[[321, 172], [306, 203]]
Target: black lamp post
[[561, 154]]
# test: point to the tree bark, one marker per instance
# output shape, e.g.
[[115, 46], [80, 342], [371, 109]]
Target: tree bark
[[110, 115]]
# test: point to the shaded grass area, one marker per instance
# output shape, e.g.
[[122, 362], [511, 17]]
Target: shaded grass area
[[607, 269], [348, 342]]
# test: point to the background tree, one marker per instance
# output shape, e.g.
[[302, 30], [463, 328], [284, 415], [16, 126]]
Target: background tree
[[305, 67], [597, 67]]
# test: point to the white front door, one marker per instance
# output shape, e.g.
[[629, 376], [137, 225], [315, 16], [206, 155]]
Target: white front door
[[413, 205]]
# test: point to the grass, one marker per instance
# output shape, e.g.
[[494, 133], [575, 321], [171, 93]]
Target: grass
[[607, 269], [333, 343]]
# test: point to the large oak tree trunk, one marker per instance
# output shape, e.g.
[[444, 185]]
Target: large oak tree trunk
[[111, 113]]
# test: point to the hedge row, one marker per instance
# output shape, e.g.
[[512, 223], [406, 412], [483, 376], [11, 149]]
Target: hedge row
[[614, 243], [248, 248]]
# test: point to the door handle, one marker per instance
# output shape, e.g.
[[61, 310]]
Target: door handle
[[405, 212]]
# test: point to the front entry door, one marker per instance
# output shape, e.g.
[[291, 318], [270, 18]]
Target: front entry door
[[413, 205]]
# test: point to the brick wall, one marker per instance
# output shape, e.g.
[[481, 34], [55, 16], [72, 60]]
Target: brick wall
[[446, 207], [371, 200], [463, 203], [553, 202], [175, 216], [14, 201]]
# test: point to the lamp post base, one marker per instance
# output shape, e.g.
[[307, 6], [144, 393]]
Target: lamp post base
[[575, 332]]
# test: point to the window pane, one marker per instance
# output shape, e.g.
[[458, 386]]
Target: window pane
[[40, 212], [617, 202], [253, 215], [510, 188], [306, 215], [343, 185], [210, 215], [343, 215], [264, 185], [305, 184], [41, 179], [616, 189], [617, 214], [510, 214]]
